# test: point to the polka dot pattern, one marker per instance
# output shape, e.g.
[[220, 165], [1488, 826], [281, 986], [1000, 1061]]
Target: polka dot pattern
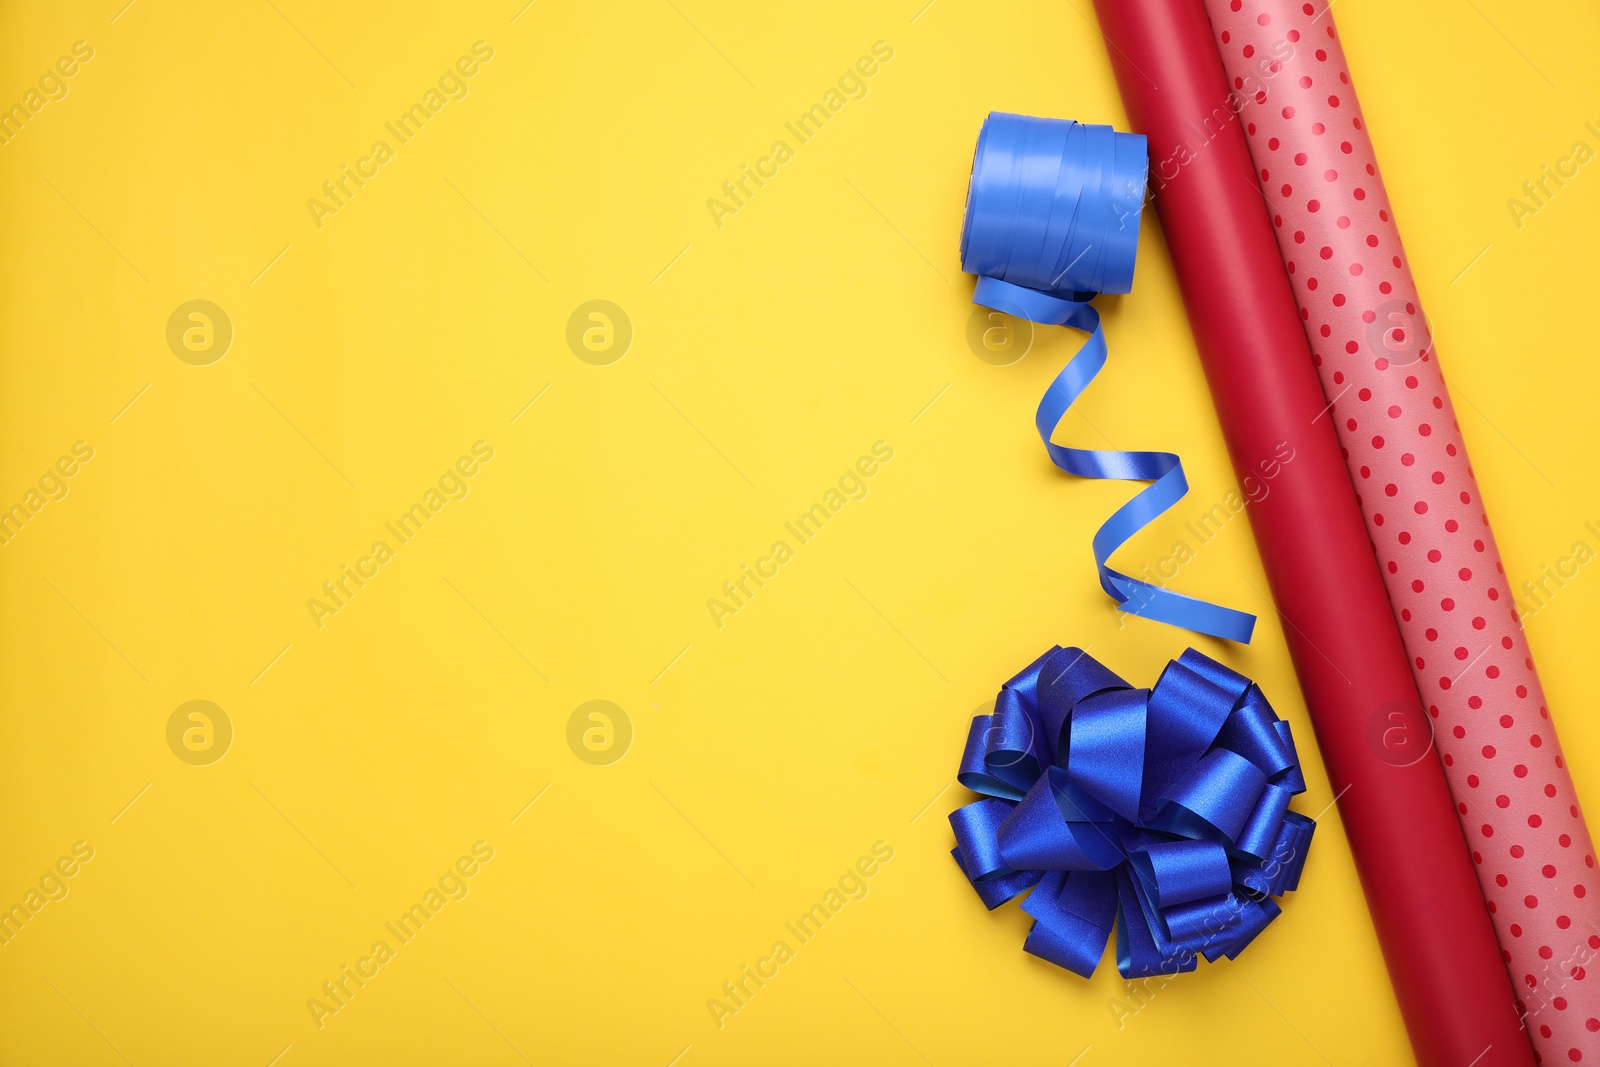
[[1373, 349]]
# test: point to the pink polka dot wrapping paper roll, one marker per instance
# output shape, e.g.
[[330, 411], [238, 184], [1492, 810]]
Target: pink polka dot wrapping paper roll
[[1336, 231]]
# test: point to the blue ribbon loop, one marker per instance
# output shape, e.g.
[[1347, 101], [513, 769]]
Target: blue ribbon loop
[[1052, 221], [1162, 813]]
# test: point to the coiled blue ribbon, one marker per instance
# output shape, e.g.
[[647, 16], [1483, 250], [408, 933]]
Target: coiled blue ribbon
[[1052, 221], [1166, 809]]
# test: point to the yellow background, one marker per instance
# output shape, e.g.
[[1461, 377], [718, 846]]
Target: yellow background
[[768, 354]]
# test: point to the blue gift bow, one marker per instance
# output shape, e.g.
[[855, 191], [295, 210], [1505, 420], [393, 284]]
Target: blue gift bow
[[1165, 809], [1052, 221]]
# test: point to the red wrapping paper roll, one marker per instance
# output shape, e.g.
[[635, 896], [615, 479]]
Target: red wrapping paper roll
[[1336, 233], [1453, 990]]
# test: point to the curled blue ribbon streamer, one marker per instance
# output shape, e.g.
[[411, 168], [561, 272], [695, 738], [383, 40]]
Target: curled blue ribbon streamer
[[1161, 813], [1052, 221]]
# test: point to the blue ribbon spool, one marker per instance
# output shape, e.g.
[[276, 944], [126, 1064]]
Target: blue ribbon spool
[[1052, 221], [1163, 812]]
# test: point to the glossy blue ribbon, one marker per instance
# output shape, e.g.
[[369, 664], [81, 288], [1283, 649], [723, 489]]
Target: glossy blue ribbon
[[1052, 221], [1164, 809]]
